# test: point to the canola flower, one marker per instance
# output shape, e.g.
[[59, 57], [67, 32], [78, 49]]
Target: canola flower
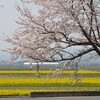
[[34, 72], [27, 81], [14, 92], [15, 81]]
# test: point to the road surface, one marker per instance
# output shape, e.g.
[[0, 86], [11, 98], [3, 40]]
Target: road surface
[[50, 98]]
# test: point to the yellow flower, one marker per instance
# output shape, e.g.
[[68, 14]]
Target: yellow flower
[[34, 72]]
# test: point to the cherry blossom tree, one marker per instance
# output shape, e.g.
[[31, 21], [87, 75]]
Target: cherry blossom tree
[[62, 30]]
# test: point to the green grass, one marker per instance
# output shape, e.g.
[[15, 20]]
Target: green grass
[[52, 85], [31, 75], [51, 88]]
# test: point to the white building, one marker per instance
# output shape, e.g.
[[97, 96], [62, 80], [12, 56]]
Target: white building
[[43, 63]]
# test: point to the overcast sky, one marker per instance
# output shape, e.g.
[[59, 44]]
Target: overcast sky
[[8, 14]]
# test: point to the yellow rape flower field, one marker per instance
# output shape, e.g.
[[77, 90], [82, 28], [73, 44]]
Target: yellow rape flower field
[[25, 85], [80, 71], [22, 81]]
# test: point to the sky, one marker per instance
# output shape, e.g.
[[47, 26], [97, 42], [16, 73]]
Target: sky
[[8, 15]]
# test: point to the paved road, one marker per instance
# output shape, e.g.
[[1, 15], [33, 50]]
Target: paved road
[[51, 98]]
